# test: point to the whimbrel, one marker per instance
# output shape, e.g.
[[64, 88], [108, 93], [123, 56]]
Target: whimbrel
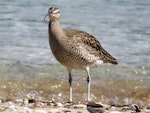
[[75, 49]]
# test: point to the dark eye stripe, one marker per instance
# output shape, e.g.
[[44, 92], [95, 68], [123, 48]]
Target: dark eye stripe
[[53, 9]]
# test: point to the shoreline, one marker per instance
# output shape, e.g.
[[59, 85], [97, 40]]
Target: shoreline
[[32, 106], [51, 82]]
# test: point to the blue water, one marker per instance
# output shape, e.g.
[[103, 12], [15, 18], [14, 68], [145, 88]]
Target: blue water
[[122, 27]]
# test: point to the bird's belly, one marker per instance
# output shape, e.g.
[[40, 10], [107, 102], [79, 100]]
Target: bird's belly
[[76, 61], [69, 61]]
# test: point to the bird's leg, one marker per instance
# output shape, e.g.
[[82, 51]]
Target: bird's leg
[[70, 85], [89, 83]]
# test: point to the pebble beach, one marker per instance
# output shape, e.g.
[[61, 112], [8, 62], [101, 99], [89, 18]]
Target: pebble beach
[[31, 106]]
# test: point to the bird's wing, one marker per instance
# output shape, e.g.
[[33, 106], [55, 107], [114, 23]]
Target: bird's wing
[[91, 44]]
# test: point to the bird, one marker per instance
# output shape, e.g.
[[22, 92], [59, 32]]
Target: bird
[[75, 49]]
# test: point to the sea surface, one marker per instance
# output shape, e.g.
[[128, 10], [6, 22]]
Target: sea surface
[[29, 70]]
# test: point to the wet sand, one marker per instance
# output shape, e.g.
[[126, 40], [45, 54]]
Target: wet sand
[[27, 89], [110, 85]]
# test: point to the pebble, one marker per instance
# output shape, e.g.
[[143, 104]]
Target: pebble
[[31, 101], [1, 101], [67, 111], [2, 108], [25, 101], [94, 104], [40, 111], [115, 112], [135, 108], [32, 105], [12, 107], [8, 100], [54, 111], [95, 110], [26, 110], [19, 100], [79, 106], [59, 104], [67, 104], [79, 112], [40, 104], [148, 107], [126, 108]]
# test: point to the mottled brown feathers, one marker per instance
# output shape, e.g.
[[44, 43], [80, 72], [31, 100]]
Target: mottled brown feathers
[[90, 43]]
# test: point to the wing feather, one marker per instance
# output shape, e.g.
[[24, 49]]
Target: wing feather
[[91, 44]]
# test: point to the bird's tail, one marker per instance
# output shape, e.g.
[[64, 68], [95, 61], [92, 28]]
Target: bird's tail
[[114, 62]]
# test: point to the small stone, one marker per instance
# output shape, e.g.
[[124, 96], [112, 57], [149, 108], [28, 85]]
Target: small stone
[[40, 111], [25, 101], [28, 101], [95, 110], [51, 104], [19, 100], [79, 112], [1, 101], [148, 107], [40, 104], [145, 111], [59, 104], [135, 108], [115, 112], [60, 94], [67, 111], [32, 105], [126, 108], [10, 103], [31, 101], [68, 104], [54, 111], [26, 110], [103, 105], [79, 106], [93, 104], [12, 107], [8, 100], [2, 109]]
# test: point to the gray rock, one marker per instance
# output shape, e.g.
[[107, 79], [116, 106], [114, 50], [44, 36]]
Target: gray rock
[[148, 107], [94, 104], [67, 111], [95, 110]]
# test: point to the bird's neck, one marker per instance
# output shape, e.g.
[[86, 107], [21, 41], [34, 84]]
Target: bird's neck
[[55, 28]]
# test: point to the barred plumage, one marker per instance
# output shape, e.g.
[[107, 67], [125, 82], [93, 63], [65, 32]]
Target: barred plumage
[[75, 49]]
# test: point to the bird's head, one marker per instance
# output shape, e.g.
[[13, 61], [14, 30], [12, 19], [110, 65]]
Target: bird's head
[[53, 13]]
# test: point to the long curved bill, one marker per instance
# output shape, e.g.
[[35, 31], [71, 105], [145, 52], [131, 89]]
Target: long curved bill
[[45, 17]]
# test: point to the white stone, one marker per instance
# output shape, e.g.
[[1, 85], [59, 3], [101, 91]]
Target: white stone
[[40, 111], [59, 104], [115, 112]]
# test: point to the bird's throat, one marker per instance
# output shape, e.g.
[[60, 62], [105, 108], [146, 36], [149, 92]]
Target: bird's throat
[[54, 27]]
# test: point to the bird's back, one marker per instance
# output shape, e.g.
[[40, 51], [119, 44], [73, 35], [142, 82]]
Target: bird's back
[[92, 45]]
